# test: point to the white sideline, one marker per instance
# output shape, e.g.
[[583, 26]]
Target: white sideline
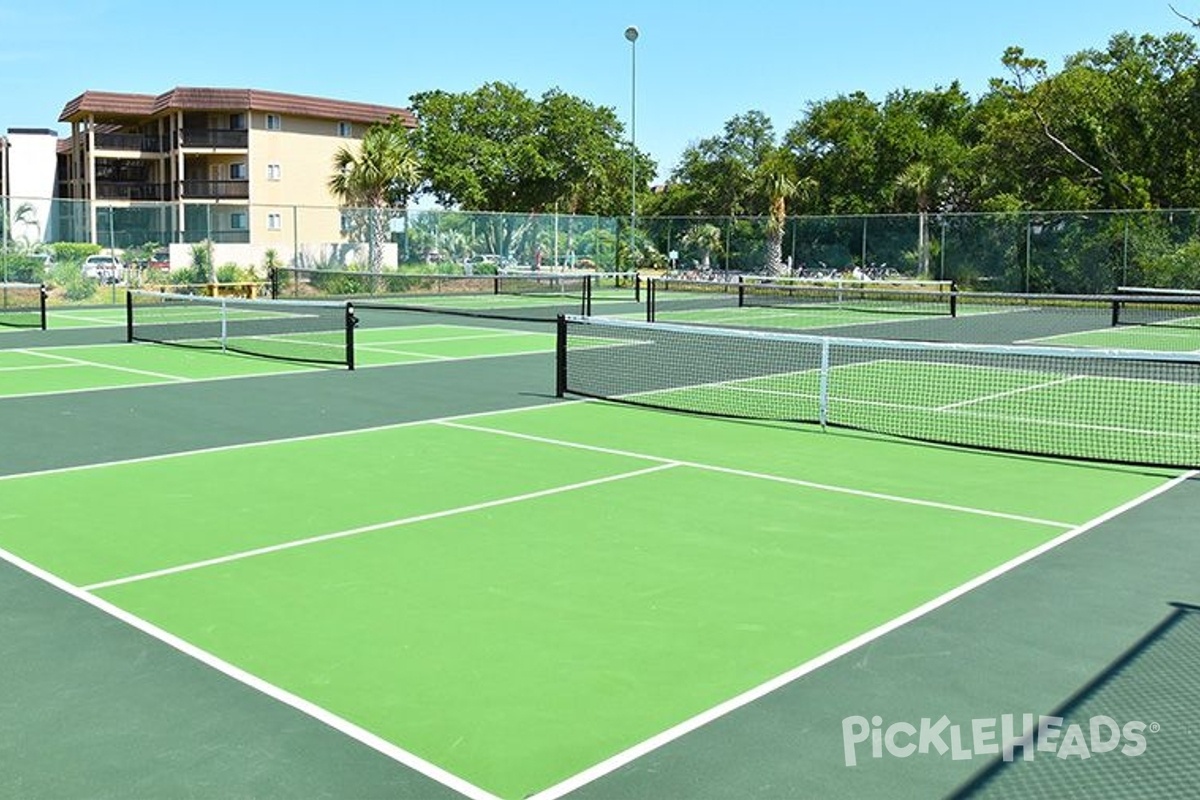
[[339, 724], [758, 692], [825, 487]]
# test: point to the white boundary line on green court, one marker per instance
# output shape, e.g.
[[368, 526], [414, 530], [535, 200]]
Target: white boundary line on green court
[[824, 487], [53, 313], [377, 526], [631, 754], [1008, 393], [300, 370], [28, 367], [343, 726], [432, 771], [81, 362], [285, 440], [498, 333]]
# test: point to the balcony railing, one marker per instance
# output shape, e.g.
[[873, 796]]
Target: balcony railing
[[192, 137], [214, 189], [129, 141], [129, 190]]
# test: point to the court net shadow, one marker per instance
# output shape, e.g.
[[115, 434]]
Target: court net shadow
[[1156, 682]]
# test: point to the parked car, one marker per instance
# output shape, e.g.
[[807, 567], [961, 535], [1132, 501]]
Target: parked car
[[160, 260], [106, 269]]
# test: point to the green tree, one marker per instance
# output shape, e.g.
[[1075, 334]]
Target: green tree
[[497, 149], [384, 173], [705, 239], [717, 175]]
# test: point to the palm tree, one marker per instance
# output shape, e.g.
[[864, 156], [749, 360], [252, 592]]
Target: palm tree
[[922, 182], [706, 238], [383, 174], [777, 178]]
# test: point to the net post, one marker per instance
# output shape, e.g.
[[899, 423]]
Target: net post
[[651, 291], [953, 301], [560, 359], [1116, 312], [587, 296], [741, 291], [637, 287], [42, 294], [496, 284], [351, 324], [128, 316]]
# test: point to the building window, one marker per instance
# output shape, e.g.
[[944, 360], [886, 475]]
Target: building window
[[237, 172], [274, 172], [237, 220], [237, 122], [274, 123], [345, 129], [274, 222]]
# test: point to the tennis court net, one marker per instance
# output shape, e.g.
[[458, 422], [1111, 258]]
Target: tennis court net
[[529, 295], [1132, 407], [1169, 308], [674, 295], [311, 332], [23, 305]]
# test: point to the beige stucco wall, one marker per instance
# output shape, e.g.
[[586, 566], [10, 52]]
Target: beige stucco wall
[[304, 149]]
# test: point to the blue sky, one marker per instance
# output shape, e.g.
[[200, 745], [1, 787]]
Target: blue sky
[[698, 63]]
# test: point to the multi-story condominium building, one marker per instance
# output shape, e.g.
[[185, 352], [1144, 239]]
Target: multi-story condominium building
[[232, 166]]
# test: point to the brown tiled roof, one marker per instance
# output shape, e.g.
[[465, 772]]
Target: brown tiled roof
[[116, 104], [108, 103]]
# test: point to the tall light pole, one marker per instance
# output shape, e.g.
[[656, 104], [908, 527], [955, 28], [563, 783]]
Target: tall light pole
[[631, 33]]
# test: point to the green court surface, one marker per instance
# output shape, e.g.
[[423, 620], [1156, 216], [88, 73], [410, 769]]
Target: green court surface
[[1169, 338], [317, 584], [80, 368], [63, 317], [552, 587]]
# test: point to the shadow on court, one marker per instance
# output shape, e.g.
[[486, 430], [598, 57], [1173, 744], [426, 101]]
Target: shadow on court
[[1154, 687]]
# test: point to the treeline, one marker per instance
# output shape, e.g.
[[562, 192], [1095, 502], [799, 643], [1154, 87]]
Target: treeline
[[1115, 128]]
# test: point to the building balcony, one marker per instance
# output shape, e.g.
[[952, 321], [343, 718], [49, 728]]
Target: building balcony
[[130, 190], [238, 190], [227, 139], [129, 141]]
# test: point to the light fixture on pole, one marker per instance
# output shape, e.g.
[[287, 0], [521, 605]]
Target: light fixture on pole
[[631, 33]]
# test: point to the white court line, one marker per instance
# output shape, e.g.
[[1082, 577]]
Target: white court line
[[337, 723], [54, 313], [298, 370], [395, 523], [85, 363], [387, 351], [1009, 393], [285, 440], [28, 367], [891, 498], [758, 692], [499, 334]]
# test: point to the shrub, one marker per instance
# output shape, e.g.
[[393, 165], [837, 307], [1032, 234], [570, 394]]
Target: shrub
[[22, 268], [73, 252]]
